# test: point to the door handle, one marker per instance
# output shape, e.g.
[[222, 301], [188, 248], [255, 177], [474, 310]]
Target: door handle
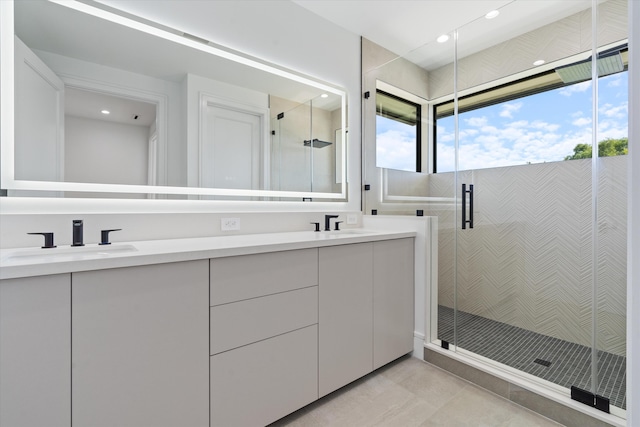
[[464, 206]]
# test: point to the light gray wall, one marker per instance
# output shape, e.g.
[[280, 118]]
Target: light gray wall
[[105, 152]]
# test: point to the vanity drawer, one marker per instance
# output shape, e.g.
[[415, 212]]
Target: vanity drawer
[[260, 318], [257, 384], [250, 276]]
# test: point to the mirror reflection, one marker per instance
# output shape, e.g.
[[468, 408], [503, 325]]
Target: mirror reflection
[[178, 116]]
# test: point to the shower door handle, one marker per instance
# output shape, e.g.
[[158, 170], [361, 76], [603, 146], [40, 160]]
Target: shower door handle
[[464, 206]]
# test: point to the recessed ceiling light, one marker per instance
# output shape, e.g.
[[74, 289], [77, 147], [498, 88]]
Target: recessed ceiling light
[[105, 112], [324, 95], [443, 38], [492, 14], [538, 62]]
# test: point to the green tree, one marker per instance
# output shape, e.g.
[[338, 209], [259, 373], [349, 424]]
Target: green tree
[[606, 148]]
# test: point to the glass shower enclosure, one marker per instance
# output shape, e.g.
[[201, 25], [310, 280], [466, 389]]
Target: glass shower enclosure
[[531, 217]]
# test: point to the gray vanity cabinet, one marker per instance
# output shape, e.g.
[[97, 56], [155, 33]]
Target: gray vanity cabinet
[[346, 315], [35, 343], [393, 300], [264, 336], [140, 346], [366, 309], [229, 341]]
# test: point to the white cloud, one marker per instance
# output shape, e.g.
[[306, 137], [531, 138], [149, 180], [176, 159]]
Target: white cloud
[[548, 127], [508, 109], [518, 124], [614, 81], [395, 150], [610, 111], [476, 121], [582, 121], [576, 88]]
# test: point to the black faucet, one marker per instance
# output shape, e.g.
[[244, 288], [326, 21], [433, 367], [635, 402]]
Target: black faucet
[[104, 236], [77, 233], [48, 240], [327, 221]]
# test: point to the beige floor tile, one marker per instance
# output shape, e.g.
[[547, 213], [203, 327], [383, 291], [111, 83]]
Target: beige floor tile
[[433, 384], [410, 393], [412, 414], [526, 418], [474, 407], [402, 368], [359, 407]]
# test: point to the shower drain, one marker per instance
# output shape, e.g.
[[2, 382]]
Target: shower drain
[[542, 362]]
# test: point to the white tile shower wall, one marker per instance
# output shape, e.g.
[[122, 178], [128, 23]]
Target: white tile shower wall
[[527, 261], [151, 226]]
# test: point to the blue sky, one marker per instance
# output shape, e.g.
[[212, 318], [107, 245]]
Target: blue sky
[[541, 128]]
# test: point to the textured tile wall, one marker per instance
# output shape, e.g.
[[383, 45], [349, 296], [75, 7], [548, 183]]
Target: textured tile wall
[[527, 261]]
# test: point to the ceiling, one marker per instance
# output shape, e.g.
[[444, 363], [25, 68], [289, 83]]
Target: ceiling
[[89, 105], [402, 26]]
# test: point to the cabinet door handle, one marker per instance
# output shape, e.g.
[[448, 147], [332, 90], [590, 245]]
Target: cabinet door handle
[[464, 206]]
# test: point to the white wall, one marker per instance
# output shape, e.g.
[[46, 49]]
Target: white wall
[[105, 152], [92, 76]]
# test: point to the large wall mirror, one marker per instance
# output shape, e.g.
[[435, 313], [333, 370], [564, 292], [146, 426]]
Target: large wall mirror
[[109, 106]]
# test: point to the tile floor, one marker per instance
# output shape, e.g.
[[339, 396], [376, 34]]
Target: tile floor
[[570, 364], [410, 392]]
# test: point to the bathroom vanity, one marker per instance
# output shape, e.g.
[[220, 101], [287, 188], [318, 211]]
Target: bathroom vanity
[[219, 331]]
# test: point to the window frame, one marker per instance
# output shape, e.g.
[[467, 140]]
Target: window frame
[[418, 157]]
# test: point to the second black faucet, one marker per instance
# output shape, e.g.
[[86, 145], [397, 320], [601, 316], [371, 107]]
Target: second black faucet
[[327, 221], [78, 229]]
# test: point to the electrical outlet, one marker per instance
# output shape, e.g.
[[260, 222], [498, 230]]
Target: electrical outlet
[[229, 224], [352, 219]]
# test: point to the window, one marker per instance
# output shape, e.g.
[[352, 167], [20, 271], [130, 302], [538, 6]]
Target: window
[[397, 133], [544, 118]]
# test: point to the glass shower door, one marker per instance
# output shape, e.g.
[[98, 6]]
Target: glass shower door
[[539, 283], [531, 220]]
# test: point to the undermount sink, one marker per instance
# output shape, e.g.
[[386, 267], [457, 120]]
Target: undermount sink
[[65, 253], [334, 234], [353, 231]]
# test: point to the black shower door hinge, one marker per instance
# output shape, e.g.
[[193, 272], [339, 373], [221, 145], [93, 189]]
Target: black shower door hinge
[[367, 95], [590, 399]]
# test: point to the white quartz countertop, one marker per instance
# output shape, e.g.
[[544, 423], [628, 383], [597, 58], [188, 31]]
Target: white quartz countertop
[[25, 262]]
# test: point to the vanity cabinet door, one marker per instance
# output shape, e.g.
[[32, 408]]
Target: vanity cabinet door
[[140, 346], [35, 355], [393, 300], [259, 383], [345, 315]]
